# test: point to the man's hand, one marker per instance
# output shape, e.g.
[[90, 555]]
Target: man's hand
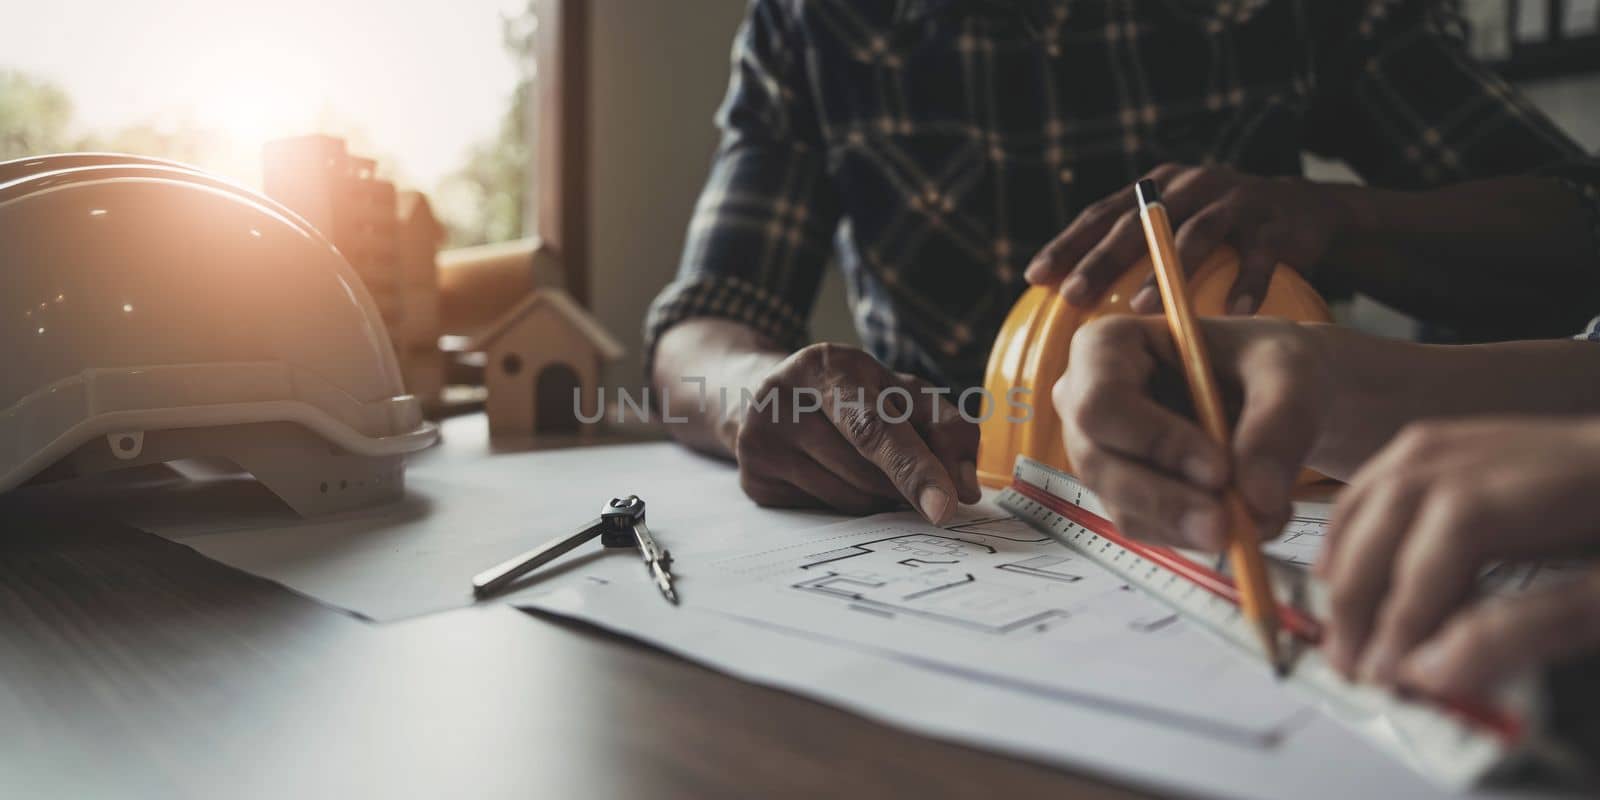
[[1421, 520], [844, 432], [1268, 220], [1159, 474]]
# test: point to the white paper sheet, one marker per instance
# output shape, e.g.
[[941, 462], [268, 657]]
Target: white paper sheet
[[1317, 760], [466, 509], [998, 588], [1032, 650], [1067, 700]]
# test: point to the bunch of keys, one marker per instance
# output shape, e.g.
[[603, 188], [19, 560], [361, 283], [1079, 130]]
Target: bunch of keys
[[621, 524]]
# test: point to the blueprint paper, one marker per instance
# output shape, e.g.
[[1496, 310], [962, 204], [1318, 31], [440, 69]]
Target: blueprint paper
[[1003, 601], [468, 509], [1044, 654], [1317, 759]]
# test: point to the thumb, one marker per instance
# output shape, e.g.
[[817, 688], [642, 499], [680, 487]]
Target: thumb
[[1278, 422]]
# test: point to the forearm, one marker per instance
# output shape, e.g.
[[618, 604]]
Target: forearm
[[1498, 258], [703, 369], [1383, 385]]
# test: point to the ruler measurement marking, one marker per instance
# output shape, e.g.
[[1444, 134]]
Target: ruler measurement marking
[[1216, 608]]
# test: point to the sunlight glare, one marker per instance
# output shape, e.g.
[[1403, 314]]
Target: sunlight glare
[[253, 95]]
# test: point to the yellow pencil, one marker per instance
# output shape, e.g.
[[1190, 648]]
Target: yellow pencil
[[1244, 543]]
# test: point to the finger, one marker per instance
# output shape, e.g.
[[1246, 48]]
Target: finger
[[1120, 419], [1196, 239], [1498, 638], [1432, 575], [1371, 528], [1056, 261], [902, 455], [1332, 534], [774, 460], [1062, 255], [822, 483], [1148, 299], [1148, 505], [1405, 466], [1204, 221], [821, 442], [1277, 424], [949, 434], [1104, 263], [1202, 233], [1257, 260], [1104, 403], [1189, 190], [1376, 477]]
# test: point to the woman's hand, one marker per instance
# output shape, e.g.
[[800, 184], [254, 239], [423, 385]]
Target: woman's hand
[[1160, 475], [1420, 522]]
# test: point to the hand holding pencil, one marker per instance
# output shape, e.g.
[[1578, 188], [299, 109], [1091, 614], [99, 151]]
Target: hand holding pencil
[[1162, 475], [1244, 543]]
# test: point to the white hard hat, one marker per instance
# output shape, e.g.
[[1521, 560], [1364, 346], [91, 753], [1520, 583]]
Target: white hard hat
[[153, 313]]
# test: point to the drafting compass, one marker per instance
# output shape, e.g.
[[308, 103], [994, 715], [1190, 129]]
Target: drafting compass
[[621, 524]]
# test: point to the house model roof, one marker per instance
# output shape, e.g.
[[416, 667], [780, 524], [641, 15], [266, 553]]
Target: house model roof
[[562, 304]]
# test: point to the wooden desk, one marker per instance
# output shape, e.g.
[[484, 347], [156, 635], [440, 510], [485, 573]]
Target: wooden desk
[[132, 667]]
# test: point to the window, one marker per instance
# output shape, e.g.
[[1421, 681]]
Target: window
[[440, 94]]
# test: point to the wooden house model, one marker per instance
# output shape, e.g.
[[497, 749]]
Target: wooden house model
[[390, 238], [416, 335], [341, 195], [542, 366]]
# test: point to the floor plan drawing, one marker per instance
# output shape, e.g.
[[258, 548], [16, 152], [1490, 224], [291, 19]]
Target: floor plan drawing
[[992, 595], [989, 631], [1300, 541], [994, 576], [932, 576]]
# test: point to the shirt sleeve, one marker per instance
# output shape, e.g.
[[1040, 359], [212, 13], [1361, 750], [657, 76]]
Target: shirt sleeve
[[1398, 98], [761, 233]]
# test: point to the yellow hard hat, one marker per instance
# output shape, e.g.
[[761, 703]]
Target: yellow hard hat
[[1031, 351]]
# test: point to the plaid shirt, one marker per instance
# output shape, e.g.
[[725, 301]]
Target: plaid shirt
[[939, 144]]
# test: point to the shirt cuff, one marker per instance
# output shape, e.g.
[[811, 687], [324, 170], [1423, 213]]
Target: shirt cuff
[[722, 297], [1591, 333]]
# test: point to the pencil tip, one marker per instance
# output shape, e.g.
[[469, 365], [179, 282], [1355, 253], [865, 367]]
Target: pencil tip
[[1273, 649]]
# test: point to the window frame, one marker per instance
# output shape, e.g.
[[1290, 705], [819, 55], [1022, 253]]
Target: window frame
[[558, 178]]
